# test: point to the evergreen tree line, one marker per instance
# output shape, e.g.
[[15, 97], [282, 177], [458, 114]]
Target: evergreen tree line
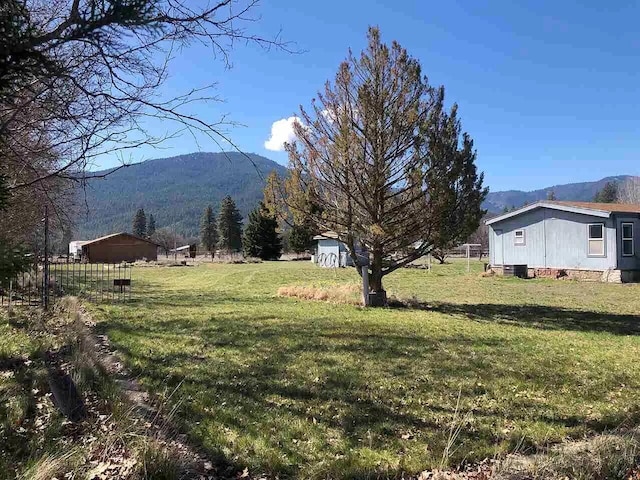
[[141, 227], [225, 233], [262, 238]]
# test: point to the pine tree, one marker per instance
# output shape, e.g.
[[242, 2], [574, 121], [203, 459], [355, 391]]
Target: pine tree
[[261, 238], [209, 231], [273, 199], [608, 194], [140, 223], [396, 192], [151, 226], [300, 238], [229, 226], [551, 195]]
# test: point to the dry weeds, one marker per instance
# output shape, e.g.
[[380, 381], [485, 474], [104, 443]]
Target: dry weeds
[[346, 293]]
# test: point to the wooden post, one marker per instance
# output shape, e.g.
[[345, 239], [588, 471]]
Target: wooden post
[[365, 286], [468, 261]]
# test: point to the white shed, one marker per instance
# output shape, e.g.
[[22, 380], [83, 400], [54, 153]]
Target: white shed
[[75, 249], [330, 252]]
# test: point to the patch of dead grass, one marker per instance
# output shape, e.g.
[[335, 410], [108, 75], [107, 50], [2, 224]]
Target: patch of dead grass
[[346, 293]]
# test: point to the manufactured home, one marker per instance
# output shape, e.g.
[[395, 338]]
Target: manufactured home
[[582, 240]]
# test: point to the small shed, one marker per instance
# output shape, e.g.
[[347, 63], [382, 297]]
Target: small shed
[[330, 252], [188, 251], [119, 247], [75, 249]]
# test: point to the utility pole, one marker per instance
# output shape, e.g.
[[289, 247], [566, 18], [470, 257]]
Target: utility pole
[[46, 258]]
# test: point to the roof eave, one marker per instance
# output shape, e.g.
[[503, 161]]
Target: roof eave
[[108, 237], [552, 206]]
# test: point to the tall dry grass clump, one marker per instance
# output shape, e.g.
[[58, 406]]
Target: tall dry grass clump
[[346, 293]]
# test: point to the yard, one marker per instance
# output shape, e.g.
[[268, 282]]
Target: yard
[[303, 388]]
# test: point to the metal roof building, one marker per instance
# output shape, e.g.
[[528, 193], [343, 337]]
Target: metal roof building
[[118, 247]]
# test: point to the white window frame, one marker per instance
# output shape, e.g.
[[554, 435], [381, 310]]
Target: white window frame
[[519, 241], [627, 239], [603, 239]]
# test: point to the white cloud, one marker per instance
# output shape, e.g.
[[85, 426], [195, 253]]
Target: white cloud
[[281, 131]]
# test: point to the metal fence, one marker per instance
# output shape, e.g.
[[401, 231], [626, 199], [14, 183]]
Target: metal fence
[[43, 283]]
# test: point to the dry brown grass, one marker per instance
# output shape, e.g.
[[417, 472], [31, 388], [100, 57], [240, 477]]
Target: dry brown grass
[[346, 293], [608, 456]]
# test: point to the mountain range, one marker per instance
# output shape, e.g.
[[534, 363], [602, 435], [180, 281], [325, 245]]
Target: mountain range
[[176, 190], [496, 202]]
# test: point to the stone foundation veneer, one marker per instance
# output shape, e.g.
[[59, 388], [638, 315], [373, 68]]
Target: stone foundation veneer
[[609, 276]]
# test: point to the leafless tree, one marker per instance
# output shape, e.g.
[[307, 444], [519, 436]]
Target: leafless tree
[[80, 79], [385, 165], [629, 191], [168, 239]]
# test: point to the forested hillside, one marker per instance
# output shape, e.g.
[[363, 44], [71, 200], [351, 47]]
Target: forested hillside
[[579, 192], [175, 190]]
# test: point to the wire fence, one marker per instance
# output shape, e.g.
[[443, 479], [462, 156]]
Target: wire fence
[[42, 284]]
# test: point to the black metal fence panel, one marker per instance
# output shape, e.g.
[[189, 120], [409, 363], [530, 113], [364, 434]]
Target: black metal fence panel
[[42, 284]]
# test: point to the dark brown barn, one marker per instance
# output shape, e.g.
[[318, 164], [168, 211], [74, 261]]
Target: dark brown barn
[[119, 247]]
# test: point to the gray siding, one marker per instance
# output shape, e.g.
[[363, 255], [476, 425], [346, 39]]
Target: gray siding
[[553, 239], [624, 262]]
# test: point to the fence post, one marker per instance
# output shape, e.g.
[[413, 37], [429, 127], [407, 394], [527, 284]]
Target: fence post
[[46, 257]]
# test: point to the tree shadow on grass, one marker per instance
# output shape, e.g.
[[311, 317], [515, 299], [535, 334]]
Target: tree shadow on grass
[[344, 401], [534, 316]]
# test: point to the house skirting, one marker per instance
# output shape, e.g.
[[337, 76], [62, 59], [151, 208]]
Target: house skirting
[[610, 276]]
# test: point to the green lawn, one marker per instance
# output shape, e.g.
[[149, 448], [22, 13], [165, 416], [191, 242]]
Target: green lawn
[[311, 389]]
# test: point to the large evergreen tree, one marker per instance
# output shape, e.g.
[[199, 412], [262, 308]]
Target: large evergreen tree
[[300, 238], [608, 194], [386, 164], [209, 231], [229, 226], [151, 226], [261, 237], [140, 223]]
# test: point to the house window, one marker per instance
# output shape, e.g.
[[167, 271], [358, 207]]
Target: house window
[[596, 240], [627, 239], [519, 237]]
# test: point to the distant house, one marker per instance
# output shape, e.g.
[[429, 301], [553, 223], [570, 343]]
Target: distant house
[[115, 248], [574, 239], [330, 252]]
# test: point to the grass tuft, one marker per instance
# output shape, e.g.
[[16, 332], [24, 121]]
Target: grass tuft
[[156, 462]]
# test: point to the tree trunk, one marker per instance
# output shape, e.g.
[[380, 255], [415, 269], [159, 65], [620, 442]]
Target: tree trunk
[[377, 295]]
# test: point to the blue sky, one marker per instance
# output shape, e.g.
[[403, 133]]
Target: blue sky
[[549, 90]]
